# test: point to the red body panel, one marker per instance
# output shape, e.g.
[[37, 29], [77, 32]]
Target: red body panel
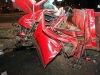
[[85, 20], [79, 18], [48, 48], [90, 32], [26, 20], [26, 5], [48, 42]]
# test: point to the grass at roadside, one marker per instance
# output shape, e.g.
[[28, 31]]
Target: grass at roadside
[[7, 32]]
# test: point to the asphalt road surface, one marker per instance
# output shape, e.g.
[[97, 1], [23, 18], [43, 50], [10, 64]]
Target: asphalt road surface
[[11, 17], [25, 61]]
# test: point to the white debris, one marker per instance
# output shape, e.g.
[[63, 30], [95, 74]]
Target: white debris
[[4, 73], [1, 52], [13, 0]]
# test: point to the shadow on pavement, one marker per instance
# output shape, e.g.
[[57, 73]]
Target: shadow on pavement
[[24, 61]]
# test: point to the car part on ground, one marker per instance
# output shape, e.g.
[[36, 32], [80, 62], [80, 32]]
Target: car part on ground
[[52, 34]]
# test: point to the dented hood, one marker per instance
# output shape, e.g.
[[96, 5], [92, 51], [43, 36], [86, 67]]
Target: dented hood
[[24, 5]]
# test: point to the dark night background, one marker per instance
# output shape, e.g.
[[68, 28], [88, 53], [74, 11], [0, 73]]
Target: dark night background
[[92, 4]]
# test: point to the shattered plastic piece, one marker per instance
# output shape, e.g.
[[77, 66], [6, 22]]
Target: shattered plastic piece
[[4, 73], [95, 62], [1, 52], [88, 59]]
